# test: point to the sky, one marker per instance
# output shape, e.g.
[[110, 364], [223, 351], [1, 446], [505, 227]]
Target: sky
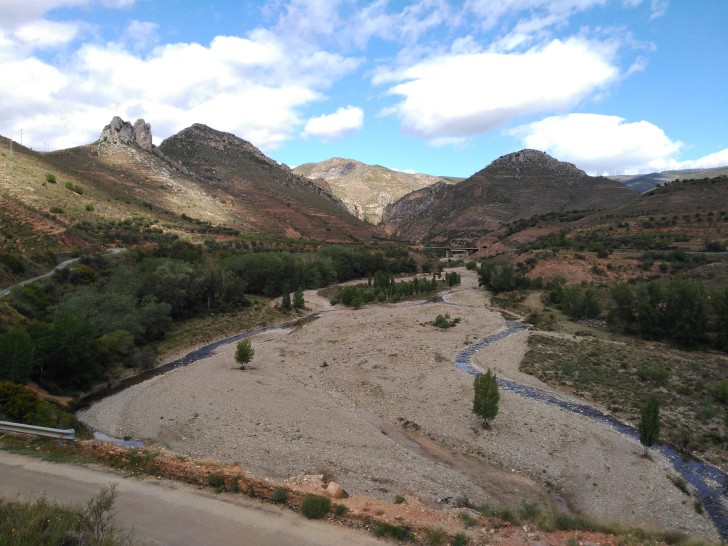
[[432, 86]]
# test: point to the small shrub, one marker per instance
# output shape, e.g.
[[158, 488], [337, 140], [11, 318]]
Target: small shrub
[[460, 539], [444, 321], [50, 178], [56, 210], [90, 207], [678, 482], [216, 481], [397, 532], [315, 506], [68, 185], [468, 520], [279, 495], [340, 510], [399, 499], [435, 537]]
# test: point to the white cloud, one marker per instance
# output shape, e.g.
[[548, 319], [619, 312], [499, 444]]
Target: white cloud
[[341, 123], [253, 87], [43, 34], [17, 12], [492, 11], [602, 144], [462, 95]]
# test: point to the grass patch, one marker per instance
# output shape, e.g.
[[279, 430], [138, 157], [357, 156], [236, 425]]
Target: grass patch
[[43, 522], [622, 377], [209, 328]]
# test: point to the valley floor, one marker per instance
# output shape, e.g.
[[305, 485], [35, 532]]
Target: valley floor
[[371, 398]]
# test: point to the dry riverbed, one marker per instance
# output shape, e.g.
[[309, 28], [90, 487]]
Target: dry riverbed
[[371, 397]]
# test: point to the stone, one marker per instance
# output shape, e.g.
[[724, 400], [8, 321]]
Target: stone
[[143, 134], [335, 491]]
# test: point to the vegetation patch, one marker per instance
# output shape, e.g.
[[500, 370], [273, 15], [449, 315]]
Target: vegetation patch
[[315, 506], [622, 377]]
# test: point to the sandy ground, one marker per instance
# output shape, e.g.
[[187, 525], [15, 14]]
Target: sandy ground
[[371, 398]]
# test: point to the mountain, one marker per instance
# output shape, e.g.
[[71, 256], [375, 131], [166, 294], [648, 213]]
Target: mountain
[[268, 196], [367, 189], [646, 182], [199, 184], [517, 185]]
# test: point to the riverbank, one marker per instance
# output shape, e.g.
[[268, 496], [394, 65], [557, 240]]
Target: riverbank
[[372, 398]]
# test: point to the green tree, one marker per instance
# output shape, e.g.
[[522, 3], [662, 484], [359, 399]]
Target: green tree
[[650, 423], [298, 301], [486, 398], [17, 356], [286, 299], [244, 353]]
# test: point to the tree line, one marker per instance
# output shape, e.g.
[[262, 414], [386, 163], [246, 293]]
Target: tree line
[[71, 330]]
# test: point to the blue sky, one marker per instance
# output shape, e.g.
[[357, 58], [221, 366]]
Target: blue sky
[[433, 86]]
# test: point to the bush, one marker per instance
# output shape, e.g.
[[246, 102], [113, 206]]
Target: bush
[[315, 506], [216, 481], [279, 495], [397, 532], [50, 178], [460, 539], [444, 321]]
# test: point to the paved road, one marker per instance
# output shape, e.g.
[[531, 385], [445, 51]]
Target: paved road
[[162, 512]]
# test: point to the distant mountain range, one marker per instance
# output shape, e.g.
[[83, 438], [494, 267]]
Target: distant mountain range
[[203, 184], [646, 182], [367, 189]]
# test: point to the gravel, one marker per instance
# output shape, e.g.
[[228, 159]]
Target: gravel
[[332, 396]]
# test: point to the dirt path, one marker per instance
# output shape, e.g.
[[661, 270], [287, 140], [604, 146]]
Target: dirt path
[[372, 398]]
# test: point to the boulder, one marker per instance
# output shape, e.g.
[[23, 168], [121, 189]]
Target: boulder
[[335, 491]]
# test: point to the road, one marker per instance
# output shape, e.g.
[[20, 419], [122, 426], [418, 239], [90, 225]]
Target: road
[[161, 512], [5, 291]]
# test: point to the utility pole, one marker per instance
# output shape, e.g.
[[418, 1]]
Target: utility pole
[[21, 137]]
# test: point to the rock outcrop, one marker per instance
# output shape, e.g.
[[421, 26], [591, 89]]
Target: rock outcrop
[[123, 132]]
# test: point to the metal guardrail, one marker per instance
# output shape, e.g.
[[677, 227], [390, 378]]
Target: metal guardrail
[[61, 434]]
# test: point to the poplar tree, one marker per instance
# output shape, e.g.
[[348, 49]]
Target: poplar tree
[[486, 397], [650, 423]]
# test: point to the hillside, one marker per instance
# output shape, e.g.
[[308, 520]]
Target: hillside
[[517, 185], [645, 182], [200, 183], [267, 196], [367, 189]]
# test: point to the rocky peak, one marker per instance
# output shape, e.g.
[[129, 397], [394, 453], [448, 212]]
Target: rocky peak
[[123, 132], [529, 158]]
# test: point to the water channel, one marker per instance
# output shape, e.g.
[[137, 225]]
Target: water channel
[[710, 483]]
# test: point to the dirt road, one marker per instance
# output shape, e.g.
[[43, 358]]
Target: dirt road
[[162, 512]]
